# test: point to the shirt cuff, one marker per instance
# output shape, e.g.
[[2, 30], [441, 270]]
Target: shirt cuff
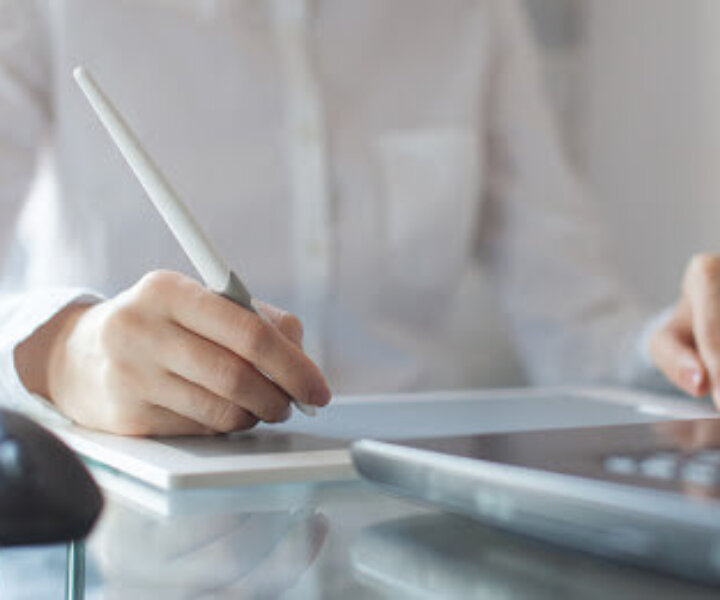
[[20, 316]]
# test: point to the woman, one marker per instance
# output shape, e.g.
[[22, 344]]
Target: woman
[[351, 160]]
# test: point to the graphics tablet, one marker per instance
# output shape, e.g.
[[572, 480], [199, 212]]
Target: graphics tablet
[[646, 494], [317, 449]]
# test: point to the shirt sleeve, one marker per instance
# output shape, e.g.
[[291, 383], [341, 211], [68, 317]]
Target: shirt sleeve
[[572, 318], [25, 112], [25, 118]]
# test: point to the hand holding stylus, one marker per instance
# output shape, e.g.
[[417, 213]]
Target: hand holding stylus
[[201, 252], [169, 356]]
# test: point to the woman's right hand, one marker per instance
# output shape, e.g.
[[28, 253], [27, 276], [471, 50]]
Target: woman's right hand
[[169, 357]]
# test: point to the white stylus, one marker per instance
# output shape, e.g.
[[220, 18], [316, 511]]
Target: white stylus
[[211, 266]]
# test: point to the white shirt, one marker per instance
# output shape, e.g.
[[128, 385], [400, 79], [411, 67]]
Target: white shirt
[[350, 159]]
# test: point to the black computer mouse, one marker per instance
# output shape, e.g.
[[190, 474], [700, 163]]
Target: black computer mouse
[[47, 495]]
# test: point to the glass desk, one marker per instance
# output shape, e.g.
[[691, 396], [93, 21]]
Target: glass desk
[[339, 540]]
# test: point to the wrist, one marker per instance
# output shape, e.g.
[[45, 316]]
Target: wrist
[[40, 358]]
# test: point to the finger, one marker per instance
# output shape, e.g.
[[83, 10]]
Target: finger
[[198, 404], [288, 324], [702, 291], [248, 335], [679, 361], [164, 422], [142, 419], [221, 372]]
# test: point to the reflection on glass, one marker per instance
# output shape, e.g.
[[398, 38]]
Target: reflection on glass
[[252, 554]]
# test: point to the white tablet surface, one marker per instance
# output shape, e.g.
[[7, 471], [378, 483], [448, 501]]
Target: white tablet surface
[[305, 449]]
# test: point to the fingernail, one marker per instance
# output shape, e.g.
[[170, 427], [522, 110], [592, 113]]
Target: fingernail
[[321, 395], [697, 379], [287, 414], [692, 378]]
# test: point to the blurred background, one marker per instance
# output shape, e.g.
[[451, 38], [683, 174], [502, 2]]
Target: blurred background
[[636, 88]]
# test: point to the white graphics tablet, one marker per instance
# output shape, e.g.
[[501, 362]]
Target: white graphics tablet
[[316, 449]]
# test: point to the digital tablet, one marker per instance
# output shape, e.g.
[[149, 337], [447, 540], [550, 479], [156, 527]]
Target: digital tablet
[[647, 494]]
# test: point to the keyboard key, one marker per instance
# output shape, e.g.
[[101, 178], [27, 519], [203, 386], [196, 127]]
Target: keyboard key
[[663, 465], [701, 473], [708, 456], [621, 465]]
